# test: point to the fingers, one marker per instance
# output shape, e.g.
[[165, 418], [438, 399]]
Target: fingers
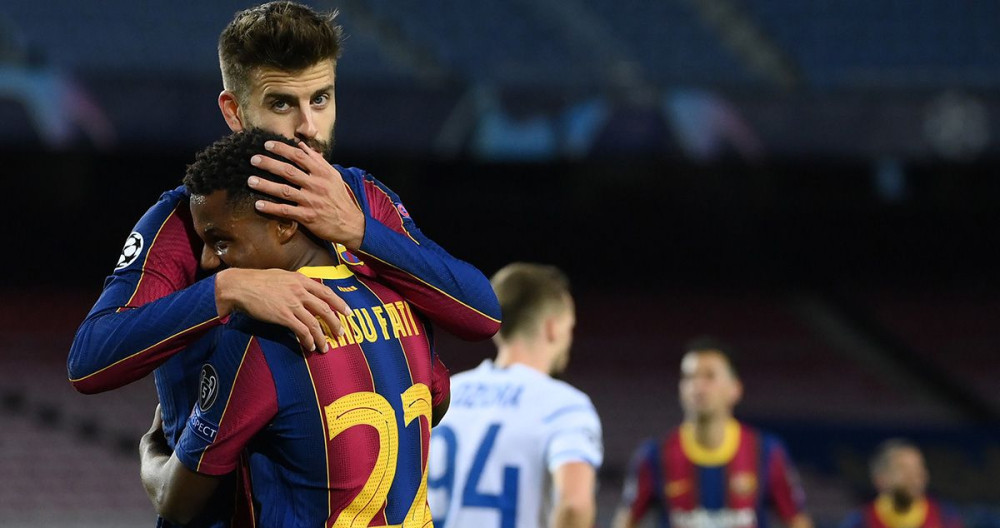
[[291, 212], [296, 175], [301, 156], [325, 294], [327, 318], [278, 190], [306, 328]]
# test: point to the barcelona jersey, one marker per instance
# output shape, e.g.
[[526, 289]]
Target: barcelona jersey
[[731, 486], [339, 438], [157, 303], [924, 513]]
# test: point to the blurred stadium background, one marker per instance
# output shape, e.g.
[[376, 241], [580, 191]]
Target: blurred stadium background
[[815, 181]]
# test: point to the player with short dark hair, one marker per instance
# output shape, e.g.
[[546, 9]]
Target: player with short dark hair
[[169, 290], [712, 470], [337, 438], [900, 477], [518, 448]]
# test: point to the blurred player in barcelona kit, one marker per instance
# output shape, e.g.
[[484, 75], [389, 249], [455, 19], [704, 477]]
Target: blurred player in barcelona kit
[[169, 290], [900, 476], [712, 471], [518, 448], [332, 439]]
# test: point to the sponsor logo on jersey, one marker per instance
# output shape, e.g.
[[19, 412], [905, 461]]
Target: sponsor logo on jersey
[[131, 251], [724, 518], [208, 387]]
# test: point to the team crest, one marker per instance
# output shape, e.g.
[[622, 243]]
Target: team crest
[[402, 210], [743, 484], [131, 251], [676, 488], [208, 387], [347, 257]]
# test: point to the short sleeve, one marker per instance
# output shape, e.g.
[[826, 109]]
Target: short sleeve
[[574, 435], [237, 398]]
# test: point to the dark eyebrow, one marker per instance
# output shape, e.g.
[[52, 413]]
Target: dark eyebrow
[[215, 232], [324, 90]]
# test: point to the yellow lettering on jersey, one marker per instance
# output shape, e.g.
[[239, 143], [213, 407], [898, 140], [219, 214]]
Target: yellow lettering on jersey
[[409, 314], [381, 321], [367, 327], [371, 409], [367, 408], [417, 403], [328, 334], [401, 310], [348, 337], [347, 289], [398, 329]]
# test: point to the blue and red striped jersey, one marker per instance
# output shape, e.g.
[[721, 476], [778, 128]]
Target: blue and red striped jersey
[[924, 513], [330, 437], [728, 487], [156, 303]]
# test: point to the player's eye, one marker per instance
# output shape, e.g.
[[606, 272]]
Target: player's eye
[[280, 106], [321, 100], [220, 247]]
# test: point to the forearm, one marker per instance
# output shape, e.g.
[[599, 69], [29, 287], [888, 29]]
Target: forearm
[[153, 458], [452, 293], [622, 519], [115, 347], [573, 515]]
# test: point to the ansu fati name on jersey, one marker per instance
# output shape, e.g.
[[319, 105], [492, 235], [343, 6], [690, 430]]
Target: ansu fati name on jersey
[[382, 322]]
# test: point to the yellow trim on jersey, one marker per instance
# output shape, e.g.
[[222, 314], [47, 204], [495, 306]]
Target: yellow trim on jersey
[[912, 518], [703, 456], [143, 351], [327, 272]]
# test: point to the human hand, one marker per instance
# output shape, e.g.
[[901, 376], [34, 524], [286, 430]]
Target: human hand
[[324, 203], [282, 297]]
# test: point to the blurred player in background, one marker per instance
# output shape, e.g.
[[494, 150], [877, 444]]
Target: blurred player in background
[[278, 62], [900, 476], [299, 415], [712, 470], [518, 448]]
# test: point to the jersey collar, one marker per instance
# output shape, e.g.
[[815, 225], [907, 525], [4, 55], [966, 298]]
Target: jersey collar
[[719, 456], [912, 518]]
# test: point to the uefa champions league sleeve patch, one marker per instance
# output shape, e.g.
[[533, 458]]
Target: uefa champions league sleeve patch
[[131, 251], [208, 387]]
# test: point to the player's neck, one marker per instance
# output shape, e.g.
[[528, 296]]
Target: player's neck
[[311, 255], [521, 353], [710, 432]]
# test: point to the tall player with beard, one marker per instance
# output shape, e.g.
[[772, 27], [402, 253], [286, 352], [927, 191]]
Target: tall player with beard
[[332, 439], [519, 449], [900, 476], [712, 470], [278, 62]]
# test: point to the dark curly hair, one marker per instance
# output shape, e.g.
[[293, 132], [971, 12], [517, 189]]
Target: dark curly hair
[[282, 35], [225, 165]]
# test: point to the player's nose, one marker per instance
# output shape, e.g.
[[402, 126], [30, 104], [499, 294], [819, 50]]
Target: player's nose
[[307, 125], [209, 260]]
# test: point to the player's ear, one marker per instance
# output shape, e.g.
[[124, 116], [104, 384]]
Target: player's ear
[[737, 390], [549, 326], [230, 108], [285, 229]]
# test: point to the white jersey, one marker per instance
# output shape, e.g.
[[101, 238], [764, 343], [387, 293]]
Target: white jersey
[[506, 430]]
